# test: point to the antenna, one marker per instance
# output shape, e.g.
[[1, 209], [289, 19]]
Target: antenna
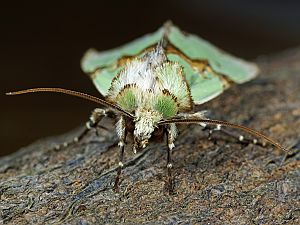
[[73, 93]]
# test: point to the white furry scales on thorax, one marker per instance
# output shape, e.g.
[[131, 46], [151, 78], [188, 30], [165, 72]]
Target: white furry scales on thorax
[[150, 76]]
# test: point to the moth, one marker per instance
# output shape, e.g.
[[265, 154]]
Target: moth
[[153, 83]]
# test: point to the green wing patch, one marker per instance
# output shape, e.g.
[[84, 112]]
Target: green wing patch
[[203, 85], [208, 70], [104, 66], [197, 48], [94, 60]]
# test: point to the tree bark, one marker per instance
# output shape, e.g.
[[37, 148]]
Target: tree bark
[[218, 181]]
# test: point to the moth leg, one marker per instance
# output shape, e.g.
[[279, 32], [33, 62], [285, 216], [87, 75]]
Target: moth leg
[[197, 115], [121, 132], [171, 133], [211, 129], [96, 116], [238, 137]]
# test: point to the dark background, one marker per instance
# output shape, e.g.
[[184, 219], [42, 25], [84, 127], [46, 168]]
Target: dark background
[[41, 46]]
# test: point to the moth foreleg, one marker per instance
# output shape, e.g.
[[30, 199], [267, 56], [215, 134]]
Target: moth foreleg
[[96, 116], [171, 133], [121, 132]]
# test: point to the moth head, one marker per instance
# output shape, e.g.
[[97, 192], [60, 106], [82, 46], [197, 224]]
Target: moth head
[[145, 122]]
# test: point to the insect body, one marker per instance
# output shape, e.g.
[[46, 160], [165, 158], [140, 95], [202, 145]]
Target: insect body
[[152, 89], [153, 83]]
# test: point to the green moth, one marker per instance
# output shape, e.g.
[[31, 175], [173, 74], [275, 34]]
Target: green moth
[[153, 83]]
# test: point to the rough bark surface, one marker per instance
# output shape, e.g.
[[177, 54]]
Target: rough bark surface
[[217, 181]]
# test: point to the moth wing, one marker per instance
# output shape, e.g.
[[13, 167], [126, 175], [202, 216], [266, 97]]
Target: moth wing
[[225, 67], [203, 86], [221, 62], [103, 66]]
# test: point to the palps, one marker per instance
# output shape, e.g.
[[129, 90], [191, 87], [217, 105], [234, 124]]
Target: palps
[[153, 83]]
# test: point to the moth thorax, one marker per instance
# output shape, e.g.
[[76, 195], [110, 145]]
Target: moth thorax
[[145, 123], [156, 57]]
